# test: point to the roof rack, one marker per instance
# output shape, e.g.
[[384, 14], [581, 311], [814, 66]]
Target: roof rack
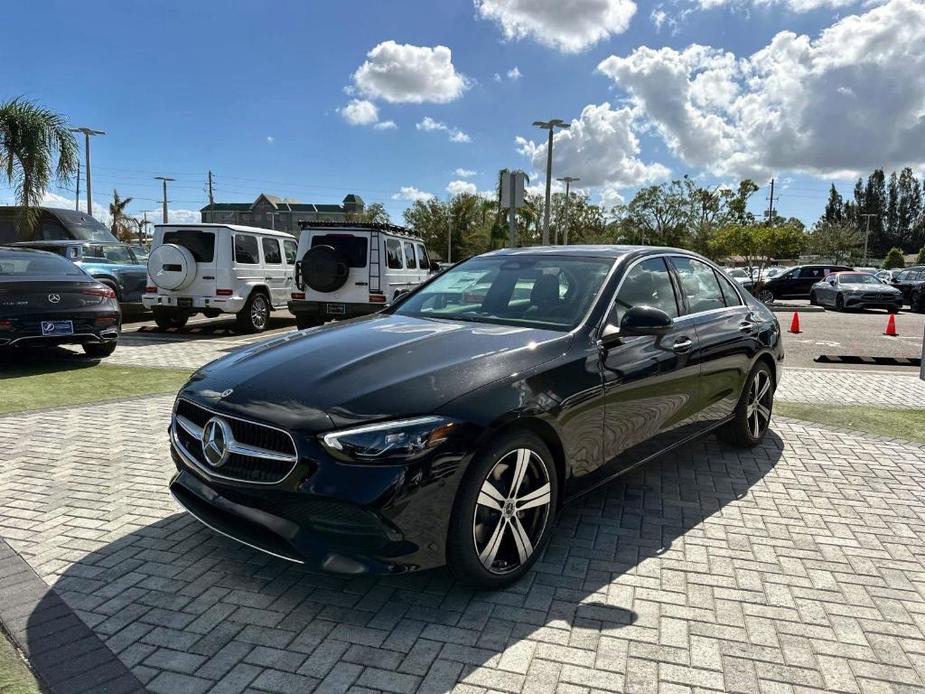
[[390, 228]]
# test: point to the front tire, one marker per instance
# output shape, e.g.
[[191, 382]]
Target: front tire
[[503, 513], [753, 411], [813, 301], [839, 303], [766, 296], [255, 315]]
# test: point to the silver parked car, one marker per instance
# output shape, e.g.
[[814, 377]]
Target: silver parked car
[[842, 290]]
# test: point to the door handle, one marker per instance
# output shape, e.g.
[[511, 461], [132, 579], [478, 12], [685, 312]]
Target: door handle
[[682, 345]]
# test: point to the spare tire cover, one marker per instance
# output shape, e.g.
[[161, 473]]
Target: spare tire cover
[[171, 267], [324, 268]]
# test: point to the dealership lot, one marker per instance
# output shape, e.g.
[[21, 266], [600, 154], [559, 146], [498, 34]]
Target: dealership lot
[[793, 567]]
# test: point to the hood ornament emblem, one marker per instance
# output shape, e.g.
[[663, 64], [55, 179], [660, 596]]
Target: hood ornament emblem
[[54, 298], [216, 437], [226, 393]]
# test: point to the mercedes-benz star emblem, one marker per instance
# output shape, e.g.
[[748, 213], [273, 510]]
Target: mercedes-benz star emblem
[[54, 298], [226, 393], [216, 437]]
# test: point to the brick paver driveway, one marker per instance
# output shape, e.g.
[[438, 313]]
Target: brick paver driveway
[[795, 567]]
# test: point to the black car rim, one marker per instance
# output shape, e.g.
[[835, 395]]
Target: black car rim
[[766, 296], [758, 412], [512, 511], [259, 313]]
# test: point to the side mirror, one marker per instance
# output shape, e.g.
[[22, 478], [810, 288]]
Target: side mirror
[[400, 294], [645, 320], [434, 266]]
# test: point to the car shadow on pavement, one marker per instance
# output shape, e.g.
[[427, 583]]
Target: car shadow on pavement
[[174, 600], [15, 362]]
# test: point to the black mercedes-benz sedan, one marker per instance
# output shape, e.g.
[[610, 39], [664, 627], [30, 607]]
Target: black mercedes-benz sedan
[[47, 300], [453, 425]]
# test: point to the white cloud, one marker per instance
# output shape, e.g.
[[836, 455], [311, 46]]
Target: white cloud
[[270, 139], [402, 73], [849, 100], [465, 173], [360, 112], [497, 77], [570, 26], [412, 194], [385, 125], [455, 134], [514, 74], [792, 5], [600, 147], [457, 187]]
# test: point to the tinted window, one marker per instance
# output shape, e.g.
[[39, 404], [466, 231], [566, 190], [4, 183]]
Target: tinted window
[[729, 292], [410, 261], [51, 230], [543, 292], [699, 285], [24, 265], [353, 247], [200, 243], [271, 255], [110, 253], [393, 252], [291, 249], [646, 284], [423, 261], [814, 273], [245, 249]]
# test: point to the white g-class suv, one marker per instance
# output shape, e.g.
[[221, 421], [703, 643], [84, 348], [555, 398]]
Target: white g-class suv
[[217, 268], [348, 269]]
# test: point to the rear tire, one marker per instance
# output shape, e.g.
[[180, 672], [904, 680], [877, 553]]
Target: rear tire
[[766, 296], [892, 309], [813, 301], [168, 318], [500, 527], [255, 316], [917, 302], [99, 350], [750, 421], [303, 322]]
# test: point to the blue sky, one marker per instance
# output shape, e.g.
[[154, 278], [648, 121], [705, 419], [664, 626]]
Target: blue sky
[[258, 93]]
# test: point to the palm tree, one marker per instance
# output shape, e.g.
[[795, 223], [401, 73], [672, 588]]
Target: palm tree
[[31, 137], [120, 223]]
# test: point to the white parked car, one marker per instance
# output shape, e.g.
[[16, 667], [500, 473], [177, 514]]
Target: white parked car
[[347, 269], [217, 268]]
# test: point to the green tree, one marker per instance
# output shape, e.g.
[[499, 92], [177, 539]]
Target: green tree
[[834, 208], [920, 260], [36, 145], [122, 226], [759, 244], [894, 259], [837, 242]]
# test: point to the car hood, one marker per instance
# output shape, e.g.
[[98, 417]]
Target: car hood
[[865, 288], [380, 367]]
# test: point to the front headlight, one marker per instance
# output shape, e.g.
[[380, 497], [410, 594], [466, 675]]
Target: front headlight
[[396, 441]]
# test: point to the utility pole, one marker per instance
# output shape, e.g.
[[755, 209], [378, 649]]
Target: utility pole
[[77, 194], [549, 125], [449, 231], [771, 203], [867, 235], [568, 180], [211, 199], [164, 201], [87, 133], [512, 210]]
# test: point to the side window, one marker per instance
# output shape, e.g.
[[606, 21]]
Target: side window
[[423, 262], [816, 273], [410, 261], [51, 230], [245, 249], [393, 251], [646, 284], [291, 249], [699, 285], [271, 255], [729, 293]]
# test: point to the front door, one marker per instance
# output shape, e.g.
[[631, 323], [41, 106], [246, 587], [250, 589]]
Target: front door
[[650, 382]]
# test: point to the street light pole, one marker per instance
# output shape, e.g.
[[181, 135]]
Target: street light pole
[[567, 180], [549, 125], [87, 133], [164, 201], [867, 235]]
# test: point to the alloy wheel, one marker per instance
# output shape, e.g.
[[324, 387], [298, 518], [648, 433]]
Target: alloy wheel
[[260, 312], [512, 511], [766, 296], [758, 411]]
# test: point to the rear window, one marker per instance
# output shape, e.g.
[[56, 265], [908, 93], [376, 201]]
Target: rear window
[[25, 265], [200, 243], [271, 254], [354, 248], [245, 249]]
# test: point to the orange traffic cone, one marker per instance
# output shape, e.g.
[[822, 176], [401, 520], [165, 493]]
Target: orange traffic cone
[[795, 323], [891, 327]]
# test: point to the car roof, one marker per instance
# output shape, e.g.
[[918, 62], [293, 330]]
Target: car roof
[[26, 251], [610, 252], [234, 227], [68, 242]]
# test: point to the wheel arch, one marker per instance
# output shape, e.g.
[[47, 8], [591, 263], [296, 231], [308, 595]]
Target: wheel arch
[[112, 283], [548, 435], [263, 289]]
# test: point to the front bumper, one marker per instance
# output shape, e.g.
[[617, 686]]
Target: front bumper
[[194, 304], [342, 518], [860, 301]]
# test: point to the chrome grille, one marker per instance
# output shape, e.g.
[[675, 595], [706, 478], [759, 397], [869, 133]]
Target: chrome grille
[[258, 453]]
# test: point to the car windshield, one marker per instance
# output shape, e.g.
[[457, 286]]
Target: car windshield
[[24, 266], [533, 291], [858, 278], [141, 254]]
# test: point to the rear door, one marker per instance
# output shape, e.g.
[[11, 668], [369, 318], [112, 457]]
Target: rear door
[[202, 245], [274, 270], [353, 247]]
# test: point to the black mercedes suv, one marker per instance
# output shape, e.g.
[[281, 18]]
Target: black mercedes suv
[[452, 426]]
